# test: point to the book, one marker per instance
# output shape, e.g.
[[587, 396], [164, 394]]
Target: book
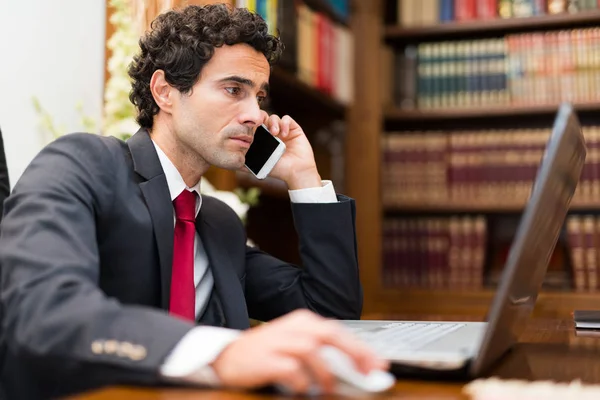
[[586, 319]]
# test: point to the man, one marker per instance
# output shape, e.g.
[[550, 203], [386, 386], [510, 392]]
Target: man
[[4, 181], [116, 271]]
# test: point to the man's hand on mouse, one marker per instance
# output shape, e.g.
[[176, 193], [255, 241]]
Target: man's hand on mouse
[[286, 352]]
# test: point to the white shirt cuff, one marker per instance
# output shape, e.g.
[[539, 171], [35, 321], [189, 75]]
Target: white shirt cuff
[[323, 194], [189, 360]]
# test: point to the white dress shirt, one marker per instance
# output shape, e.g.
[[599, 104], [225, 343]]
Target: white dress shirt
[[189, 360]]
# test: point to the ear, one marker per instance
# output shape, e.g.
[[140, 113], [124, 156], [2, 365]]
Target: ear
[[162, 91]]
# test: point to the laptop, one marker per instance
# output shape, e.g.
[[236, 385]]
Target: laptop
[[467, 349]]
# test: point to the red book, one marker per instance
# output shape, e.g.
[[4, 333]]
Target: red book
[[486, 9], [333, 42], [465, 10], [322, 47]]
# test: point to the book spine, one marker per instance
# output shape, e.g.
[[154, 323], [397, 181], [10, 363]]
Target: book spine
[[589, 248], [455, 244], [557, 6], [540, 7], [480, 227], [505, 8], [522, 8], [446, 10]]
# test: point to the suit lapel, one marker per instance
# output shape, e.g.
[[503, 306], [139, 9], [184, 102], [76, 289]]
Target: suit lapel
[[158, 199], [227, 284]]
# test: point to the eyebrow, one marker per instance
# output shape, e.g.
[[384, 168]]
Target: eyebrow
[[245, 81]]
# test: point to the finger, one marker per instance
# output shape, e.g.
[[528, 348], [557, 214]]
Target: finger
[[333, 333], [363, 356], [292, 375], [273, 124], [293, 123], [307, 349], [285, 125], [319, 371]]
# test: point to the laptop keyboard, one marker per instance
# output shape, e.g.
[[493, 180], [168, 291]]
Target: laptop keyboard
[[405, 336]]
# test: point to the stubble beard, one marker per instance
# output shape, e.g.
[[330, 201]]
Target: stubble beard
[[226, 158]]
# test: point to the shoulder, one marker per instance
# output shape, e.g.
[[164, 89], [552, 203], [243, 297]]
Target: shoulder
[[86, 143], [72, 157], [82, 149]]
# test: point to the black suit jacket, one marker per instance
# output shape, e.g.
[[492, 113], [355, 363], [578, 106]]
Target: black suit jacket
[[86, 247], [4, 182]]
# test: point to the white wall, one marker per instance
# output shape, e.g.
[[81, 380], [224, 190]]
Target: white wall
[[53, 50]]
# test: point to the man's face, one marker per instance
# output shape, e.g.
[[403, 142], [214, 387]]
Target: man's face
[[217, 119]]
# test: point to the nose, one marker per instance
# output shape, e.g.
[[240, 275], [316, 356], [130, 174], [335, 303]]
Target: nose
[[252, 115]]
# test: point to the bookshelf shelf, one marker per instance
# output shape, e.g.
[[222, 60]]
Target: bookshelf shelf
[[494, 27], [474, 302], [325, 8], [480, 113], [269, 186], [285, 84]]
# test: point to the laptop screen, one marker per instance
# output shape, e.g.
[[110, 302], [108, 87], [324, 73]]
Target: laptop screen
[[535, 239]]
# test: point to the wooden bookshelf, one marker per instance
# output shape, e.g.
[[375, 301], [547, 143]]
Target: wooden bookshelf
[[492, 27], [287, 90], [484, 112], [475, 302], [370, 119]]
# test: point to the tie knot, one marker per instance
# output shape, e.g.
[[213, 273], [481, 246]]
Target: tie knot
[[185, 206]]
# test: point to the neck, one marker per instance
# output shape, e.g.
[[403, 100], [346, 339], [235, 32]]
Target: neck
[[188, 163]]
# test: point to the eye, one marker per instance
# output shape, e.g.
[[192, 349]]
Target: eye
[[261, 99], [234, 90]]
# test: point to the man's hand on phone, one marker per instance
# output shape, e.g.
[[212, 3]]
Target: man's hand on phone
[[286, 351], [297, 167]]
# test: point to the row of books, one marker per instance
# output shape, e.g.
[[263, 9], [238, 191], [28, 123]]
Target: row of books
[[434, 252], [471, 251], [317, 49], [325, 54], [530, 68], [474, 168], [583, 232], [268, 9], [413, 13], [554, 66]]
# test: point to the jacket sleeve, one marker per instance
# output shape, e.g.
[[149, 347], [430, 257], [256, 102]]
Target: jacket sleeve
[[327, 282], [4, 181], [55, 317]]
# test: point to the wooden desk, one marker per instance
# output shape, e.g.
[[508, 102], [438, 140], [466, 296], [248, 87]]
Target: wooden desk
[[547, 350]]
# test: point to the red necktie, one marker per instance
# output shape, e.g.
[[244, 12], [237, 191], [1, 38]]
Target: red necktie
[[183, 293]]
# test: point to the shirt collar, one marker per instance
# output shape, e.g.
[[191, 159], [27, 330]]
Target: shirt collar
[[175, 182]]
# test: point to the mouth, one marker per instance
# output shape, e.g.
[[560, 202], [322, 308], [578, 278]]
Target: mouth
[[242, 141]]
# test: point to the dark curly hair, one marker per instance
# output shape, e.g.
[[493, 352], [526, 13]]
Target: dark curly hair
[[181, 42]]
